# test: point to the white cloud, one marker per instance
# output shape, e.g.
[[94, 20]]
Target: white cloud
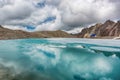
[[86, 12], [75, 30], [17, 10], [69, 13]]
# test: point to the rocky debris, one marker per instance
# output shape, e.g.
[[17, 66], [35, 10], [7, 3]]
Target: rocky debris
[[107, 29]]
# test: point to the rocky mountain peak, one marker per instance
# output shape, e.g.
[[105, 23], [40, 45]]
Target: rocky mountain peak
[[109, 28], [109, 22], [1, 26], [118, 22]]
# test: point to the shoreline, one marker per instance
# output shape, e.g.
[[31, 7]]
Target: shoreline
[[107, 37]]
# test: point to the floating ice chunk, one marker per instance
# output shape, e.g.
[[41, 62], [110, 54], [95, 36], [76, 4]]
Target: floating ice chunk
[[107, 49], [114, 56], [57, 46], [79, 46]]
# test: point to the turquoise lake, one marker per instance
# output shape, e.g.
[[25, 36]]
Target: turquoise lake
[[61, 59]]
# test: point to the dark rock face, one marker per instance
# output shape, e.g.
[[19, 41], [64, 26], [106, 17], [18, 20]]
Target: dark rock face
[[109, 28], [18, 34]]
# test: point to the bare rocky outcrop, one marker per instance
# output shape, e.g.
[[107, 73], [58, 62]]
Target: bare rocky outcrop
[[107, 29]]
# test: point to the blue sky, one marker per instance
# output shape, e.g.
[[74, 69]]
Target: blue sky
[[41, 4], [32, 27], [49, 19]]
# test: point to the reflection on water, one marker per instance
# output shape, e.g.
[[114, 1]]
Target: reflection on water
[[59, 59]]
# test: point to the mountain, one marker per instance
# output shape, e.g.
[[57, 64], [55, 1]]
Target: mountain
[[107, 29], [57, 33], [18, 34]]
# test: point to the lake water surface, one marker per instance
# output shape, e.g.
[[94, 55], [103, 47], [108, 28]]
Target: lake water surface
[[61, 59]]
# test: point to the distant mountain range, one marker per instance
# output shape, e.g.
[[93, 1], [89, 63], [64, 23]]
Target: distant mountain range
[[19, 34], [99, 30]]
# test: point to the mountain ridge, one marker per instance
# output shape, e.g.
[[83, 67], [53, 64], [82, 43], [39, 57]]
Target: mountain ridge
[[108, 29], [6, 33]]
